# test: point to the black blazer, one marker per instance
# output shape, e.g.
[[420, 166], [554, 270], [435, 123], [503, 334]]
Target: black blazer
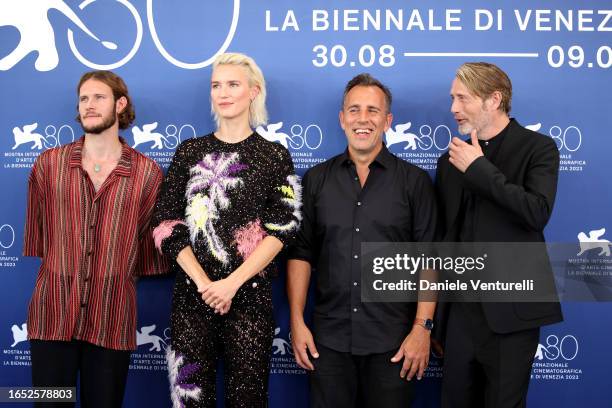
[[516, 198]]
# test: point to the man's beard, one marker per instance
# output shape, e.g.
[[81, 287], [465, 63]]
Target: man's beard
[[480, 122], [107, 123], [465, 129]]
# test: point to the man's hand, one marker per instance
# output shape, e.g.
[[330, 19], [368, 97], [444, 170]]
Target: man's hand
[[415, 352], [303, 342], [219, 294], [462, 154]]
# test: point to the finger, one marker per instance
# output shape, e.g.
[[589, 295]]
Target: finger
[[298, 358], [405, 367], [224, 309], [218, 306], [296, 354], [303, 356], [456, 149], [313, 349], [414, 367], [422, 368], [457, 141], [398, 356], [474, 137]]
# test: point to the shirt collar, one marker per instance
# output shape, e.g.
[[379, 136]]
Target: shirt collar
[[124, 166], [498, 137], [383, 158]]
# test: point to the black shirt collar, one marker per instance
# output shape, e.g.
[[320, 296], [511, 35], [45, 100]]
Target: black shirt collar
[[497, 139], [384, 158]]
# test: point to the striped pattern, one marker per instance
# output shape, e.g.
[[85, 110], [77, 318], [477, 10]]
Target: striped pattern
[[92, 245]]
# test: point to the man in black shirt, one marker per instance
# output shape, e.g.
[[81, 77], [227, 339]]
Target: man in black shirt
[[499, 186], [361, 353]]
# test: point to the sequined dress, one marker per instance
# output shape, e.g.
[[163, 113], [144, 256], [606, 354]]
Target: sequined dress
[[222, 199]]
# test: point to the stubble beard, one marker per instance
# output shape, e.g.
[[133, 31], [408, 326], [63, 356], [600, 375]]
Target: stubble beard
[[107, 123], [481, 122]]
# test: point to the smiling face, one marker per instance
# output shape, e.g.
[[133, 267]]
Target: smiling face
[[364, 118], [97, 107], [230, 92], [470, 111]]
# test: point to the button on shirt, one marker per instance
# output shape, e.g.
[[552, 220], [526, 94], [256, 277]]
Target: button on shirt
[[396, 204], [93, 245]]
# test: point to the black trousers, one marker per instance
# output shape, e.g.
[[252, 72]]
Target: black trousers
[[344, 380], [483, 368], [103, 372]]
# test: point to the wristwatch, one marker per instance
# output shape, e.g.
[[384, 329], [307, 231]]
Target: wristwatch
[[428, 324]]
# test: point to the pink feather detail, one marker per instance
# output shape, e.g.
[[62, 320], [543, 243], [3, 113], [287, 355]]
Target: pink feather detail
[[163, 231], [248, 237]]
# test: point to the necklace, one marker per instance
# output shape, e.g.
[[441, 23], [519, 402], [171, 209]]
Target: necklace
[[97, 167]]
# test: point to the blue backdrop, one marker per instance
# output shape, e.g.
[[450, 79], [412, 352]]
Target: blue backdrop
[[559, 57]]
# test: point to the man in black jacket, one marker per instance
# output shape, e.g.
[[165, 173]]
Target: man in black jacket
[[498, 186]]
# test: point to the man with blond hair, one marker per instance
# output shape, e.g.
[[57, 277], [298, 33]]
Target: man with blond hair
[[497, 186]]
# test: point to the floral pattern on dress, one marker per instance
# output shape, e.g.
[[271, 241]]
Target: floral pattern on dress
[[206, 193], [179, 373], [292, 197]]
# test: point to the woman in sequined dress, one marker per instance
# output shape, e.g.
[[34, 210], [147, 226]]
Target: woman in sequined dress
[[228, 205]]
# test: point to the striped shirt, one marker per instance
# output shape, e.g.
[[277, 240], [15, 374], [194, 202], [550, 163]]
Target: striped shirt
[[93, 246]]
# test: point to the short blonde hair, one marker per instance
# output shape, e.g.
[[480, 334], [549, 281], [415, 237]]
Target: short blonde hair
[[482, 79], [258, 114]]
